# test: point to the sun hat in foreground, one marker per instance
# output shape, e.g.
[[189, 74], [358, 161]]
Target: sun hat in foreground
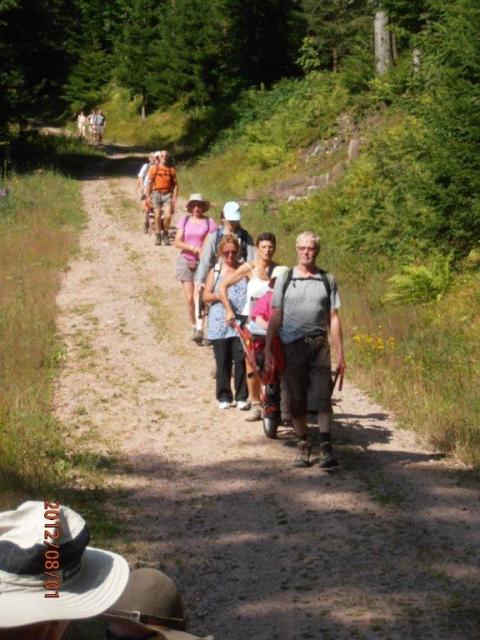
[[90, 580]]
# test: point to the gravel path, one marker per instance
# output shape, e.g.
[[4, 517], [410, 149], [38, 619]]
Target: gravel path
[[385, 547]]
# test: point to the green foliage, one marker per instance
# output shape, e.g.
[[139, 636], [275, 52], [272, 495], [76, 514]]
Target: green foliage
[[336, 28], [86, 84], [419, 283], [308, 59]]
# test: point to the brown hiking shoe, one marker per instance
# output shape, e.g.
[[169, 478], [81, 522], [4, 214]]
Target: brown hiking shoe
[[158, 240], [327, 459], [303, 454]]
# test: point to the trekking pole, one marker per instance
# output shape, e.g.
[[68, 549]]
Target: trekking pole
[[335, 378]]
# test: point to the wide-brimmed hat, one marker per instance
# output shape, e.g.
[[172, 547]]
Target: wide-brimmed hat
[[151, 601], [89, 580], [232, 211], [197, 197]]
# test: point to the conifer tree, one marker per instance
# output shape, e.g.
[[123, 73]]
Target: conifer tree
[[337, 27]]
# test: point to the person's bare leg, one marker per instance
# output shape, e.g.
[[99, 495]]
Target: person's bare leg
[[300, 426], [253, 384], [196, 299], [167, 220], [188, 295], [158, 225]]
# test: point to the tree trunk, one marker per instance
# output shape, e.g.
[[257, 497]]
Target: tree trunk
[[143, 109], [383, 43], [334, 59]]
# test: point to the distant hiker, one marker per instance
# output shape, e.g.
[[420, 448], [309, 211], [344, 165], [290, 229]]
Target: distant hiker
[[87, 580], [305, 303], [163, 190], [192, 231], [231, 215], [142, 183], [150, 607], [99, 126], [91, 126], [226, 343], [258, 273], [82, 125]]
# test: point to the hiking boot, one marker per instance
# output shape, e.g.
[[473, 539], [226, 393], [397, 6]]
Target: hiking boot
[[254, 414], [166, 239], [158, 239], [198, 336], [327, 459], [207, 343], [243, 405], [303, 454]]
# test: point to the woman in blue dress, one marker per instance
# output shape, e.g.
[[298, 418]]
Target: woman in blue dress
[[226, 343]]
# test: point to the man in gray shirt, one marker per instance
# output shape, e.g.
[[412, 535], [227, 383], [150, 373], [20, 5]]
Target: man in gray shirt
[[304, 314]]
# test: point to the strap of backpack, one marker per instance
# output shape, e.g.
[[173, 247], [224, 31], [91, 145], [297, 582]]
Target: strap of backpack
[[323, 277]]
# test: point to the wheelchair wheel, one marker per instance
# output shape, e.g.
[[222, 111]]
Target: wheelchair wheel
[[270, 426]]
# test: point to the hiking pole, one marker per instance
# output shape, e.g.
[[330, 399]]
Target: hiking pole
[[335, 378]]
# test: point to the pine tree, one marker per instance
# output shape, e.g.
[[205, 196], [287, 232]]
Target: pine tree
[[138, 51], [337, 27]]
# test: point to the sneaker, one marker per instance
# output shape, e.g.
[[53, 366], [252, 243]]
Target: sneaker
[[224, 404], [303, 454], [327, 459], [243, 405], [254, 414], [158, 240], [198, 336]]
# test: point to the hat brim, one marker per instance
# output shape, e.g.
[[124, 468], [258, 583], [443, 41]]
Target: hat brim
[[99, 584], [206, 204], [232, 217], [131, 626]]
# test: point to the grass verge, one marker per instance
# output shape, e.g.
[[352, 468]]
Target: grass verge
[[40, 220]]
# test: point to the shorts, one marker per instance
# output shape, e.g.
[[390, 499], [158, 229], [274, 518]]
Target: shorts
[[183, 272], [308, 365], [160, 199]]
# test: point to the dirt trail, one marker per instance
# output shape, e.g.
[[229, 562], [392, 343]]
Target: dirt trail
[[387, 547]]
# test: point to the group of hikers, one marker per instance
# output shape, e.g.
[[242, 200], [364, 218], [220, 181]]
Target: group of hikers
[[92, 127], [232, 284], [50, 576]]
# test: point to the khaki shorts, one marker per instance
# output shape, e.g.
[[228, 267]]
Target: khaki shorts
[[308, 364], [159, 200], [183, 272]]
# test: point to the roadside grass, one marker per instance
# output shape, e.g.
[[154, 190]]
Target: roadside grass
[[40, 221]]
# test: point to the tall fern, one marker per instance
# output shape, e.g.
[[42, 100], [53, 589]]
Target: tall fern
[[419, 284]]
